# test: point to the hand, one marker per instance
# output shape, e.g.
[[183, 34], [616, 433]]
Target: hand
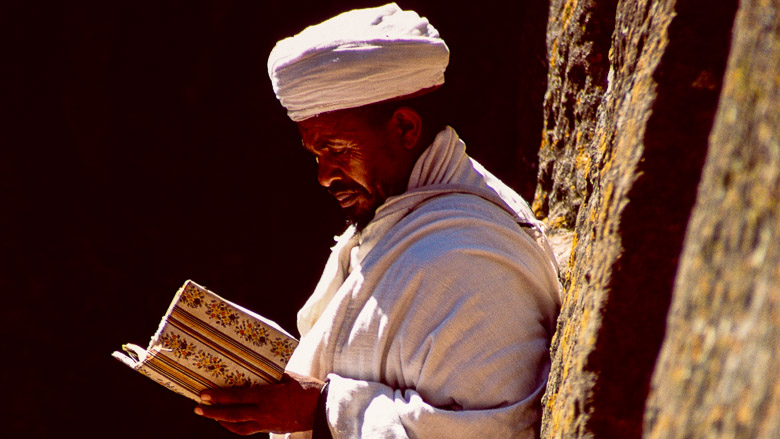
[[284, 407]]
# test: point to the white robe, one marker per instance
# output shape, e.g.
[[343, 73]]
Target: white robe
[[435, 320]]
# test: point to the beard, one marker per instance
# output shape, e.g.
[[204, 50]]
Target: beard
[[359, 220]]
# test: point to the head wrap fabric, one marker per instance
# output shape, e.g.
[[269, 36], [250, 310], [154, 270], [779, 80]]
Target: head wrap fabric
[[357, 58]]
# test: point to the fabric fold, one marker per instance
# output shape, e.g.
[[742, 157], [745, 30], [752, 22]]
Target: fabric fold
[[441, 269], [357, 58]]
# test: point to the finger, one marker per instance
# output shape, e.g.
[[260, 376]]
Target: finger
[[242, 428], [234, 395], [229, 413]]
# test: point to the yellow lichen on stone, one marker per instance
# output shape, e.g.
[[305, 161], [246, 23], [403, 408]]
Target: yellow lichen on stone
[[568, 10], [574, 239], [537, 206], [557, 222]]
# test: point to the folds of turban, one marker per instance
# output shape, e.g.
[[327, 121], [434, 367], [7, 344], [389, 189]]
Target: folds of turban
[[357, 58]]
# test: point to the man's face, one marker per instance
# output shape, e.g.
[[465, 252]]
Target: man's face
[[360, 165]]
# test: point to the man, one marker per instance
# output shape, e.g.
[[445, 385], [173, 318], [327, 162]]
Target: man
[[435, 310]]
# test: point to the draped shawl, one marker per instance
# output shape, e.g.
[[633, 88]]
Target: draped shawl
[[435, 320]]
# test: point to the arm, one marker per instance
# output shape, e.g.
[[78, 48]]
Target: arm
[[469, 357], [475, 365], [447, 342], [369, 409]]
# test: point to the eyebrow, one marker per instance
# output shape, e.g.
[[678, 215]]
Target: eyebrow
[[320, 141], [315, 145]]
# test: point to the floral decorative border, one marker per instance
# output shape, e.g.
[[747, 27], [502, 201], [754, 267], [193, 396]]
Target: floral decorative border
[[180, 347], [252, 332], [247, 329], [214, 365], [222, 313], [193, 297], [282, 348]]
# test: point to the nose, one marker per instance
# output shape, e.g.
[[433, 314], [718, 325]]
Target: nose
[[327, 172]]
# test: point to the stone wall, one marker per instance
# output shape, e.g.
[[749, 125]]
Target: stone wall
[[633, 87], [718, 373]]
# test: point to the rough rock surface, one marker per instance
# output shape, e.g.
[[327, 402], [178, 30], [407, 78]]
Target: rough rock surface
[[578, 41], [632, 93], [718, 373]]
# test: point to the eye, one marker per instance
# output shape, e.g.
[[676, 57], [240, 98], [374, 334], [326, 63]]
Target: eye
[[336, 148]]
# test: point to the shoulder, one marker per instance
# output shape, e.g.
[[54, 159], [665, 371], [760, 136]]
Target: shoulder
[[459, 234], [447, 225], [462, 261]]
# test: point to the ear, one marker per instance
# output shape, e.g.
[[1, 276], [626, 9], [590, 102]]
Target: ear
[[407, 124]]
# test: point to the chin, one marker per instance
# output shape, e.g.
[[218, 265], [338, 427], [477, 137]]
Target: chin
[[360, 216]]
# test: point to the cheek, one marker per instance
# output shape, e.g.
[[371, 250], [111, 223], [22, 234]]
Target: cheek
[[361, 172], [387, 172], [378, 175]]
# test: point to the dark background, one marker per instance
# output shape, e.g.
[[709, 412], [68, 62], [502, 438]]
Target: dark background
[[143, 146]]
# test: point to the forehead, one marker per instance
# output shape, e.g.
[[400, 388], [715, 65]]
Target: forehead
[[343, 123]]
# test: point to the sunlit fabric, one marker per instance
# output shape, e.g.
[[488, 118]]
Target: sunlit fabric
[[435, 320], [357, 58]]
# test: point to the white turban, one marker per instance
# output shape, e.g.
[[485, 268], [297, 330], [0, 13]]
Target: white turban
[[357, 58]]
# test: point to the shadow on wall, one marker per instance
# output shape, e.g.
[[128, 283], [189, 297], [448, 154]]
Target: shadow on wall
[[621, 162]]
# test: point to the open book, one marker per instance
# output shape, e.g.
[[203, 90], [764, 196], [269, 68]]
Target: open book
[[204, 341]]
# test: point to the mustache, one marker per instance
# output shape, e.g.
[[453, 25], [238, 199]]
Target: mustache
[[345, 186]]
